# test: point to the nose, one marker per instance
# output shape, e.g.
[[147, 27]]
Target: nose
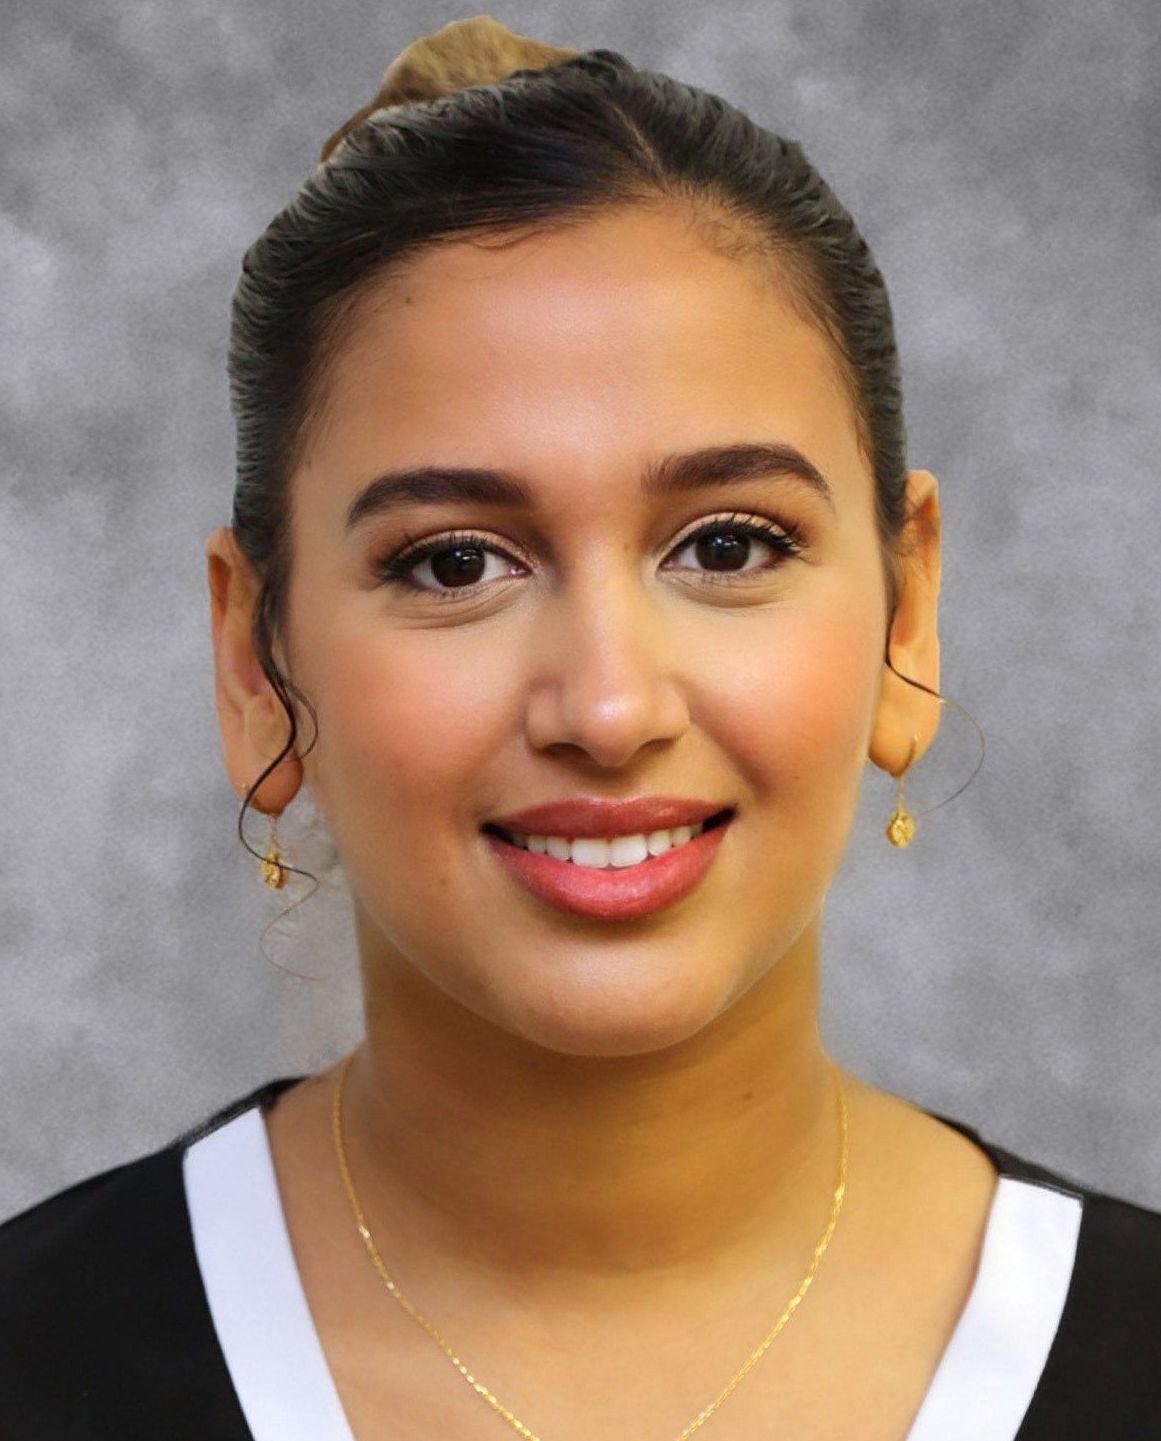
[[605, 678]]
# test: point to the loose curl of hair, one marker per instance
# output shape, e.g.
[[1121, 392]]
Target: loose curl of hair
[[477, 131]]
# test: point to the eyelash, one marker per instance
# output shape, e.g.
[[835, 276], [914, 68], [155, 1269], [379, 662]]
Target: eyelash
[[787, 541]]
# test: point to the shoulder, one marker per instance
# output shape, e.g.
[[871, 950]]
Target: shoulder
[[1113, 1230], [104, 1321], [1100, 1376]]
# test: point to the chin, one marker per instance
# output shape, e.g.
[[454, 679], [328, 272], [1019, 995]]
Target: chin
[[604, 1018]]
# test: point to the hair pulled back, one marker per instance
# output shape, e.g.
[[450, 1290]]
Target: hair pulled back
[[477, 130]]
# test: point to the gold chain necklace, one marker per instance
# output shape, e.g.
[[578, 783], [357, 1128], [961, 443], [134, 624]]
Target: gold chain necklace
[[478, 1386]]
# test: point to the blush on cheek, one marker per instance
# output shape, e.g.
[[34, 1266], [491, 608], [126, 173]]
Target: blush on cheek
[[829, 709], [805, 701], [407, 728]]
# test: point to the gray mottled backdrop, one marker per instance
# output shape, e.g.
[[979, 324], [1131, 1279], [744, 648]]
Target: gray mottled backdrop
[[1003, 161]]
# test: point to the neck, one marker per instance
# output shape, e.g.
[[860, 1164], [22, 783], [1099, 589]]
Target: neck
[[711, 1153]]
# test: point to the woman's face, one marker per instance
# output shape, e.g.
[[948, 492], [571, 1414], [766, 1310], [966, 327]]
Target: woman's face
[[590, 648]]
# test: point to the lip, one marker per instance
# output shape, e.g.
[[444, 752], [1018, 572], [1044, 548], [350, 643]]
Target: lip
[[600, 817], [622, 893]]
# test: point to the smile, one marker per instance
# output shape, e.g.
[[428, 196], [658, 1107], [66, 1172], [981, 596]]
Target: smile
[[616, 877], [611, 852]]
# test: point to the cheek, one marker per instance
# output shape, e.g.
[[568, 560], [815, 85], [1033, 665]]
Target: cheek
[[798, 727], [826, 696], [406, 717], [801, 707]]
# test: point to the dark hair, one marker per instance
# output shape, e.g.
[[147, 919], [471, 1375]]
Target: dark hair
[[539, 148]]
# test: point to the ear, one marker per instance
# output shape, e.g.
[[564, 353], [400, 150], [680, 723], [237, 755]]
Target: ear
[[903, 710], [254, 725]]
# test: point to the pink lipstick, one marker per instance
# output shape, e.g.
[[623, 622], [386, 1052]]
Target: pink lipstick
[[614, 893]]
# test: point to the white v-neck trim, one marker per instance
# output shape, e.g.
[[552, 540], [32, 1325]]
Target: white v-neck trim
[[259, 1309], [993, 1362], [980, 1391]]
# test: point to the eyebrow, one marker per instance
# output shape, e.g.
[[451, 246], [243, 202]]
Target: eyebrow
[[714, 465]]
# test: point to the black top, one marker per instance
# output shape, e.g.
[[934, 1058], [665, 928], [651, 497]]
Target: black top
[[106, 1332]]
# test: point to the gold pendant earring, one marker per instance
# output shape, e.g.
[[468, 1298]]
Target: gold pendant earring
[[901, 826], [273, 871]]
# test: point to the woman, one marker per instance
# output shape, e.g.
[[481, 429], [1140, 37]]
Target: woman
[[576, 571]]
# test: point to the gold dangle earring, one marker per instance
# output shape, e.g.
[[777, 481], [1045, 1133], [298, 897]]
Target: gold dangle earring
[[274, 872], [901, 826]]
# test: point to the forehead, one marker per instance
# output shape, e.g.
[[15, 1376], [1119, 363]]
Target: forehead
[[578, 351]]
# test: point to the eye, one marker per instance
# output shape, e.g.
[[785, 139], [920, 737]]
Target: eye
[[457, 562], [725, 544]]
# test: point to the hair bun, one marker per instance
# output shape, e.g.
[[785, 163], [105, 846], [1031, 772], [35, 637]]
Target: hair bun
[[473, 51]]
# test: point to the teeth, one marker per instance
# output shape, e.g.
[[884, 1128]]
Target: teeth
[[614, 852]]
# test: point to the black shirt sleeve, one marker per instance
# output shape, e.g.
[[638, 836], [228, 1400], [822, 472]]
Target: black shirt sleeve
[[1102, 1379], [105, 1330]]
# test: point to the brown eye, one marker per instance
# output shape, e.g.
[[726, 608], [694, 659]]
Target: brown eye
[[457, 564], [723, 547]]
